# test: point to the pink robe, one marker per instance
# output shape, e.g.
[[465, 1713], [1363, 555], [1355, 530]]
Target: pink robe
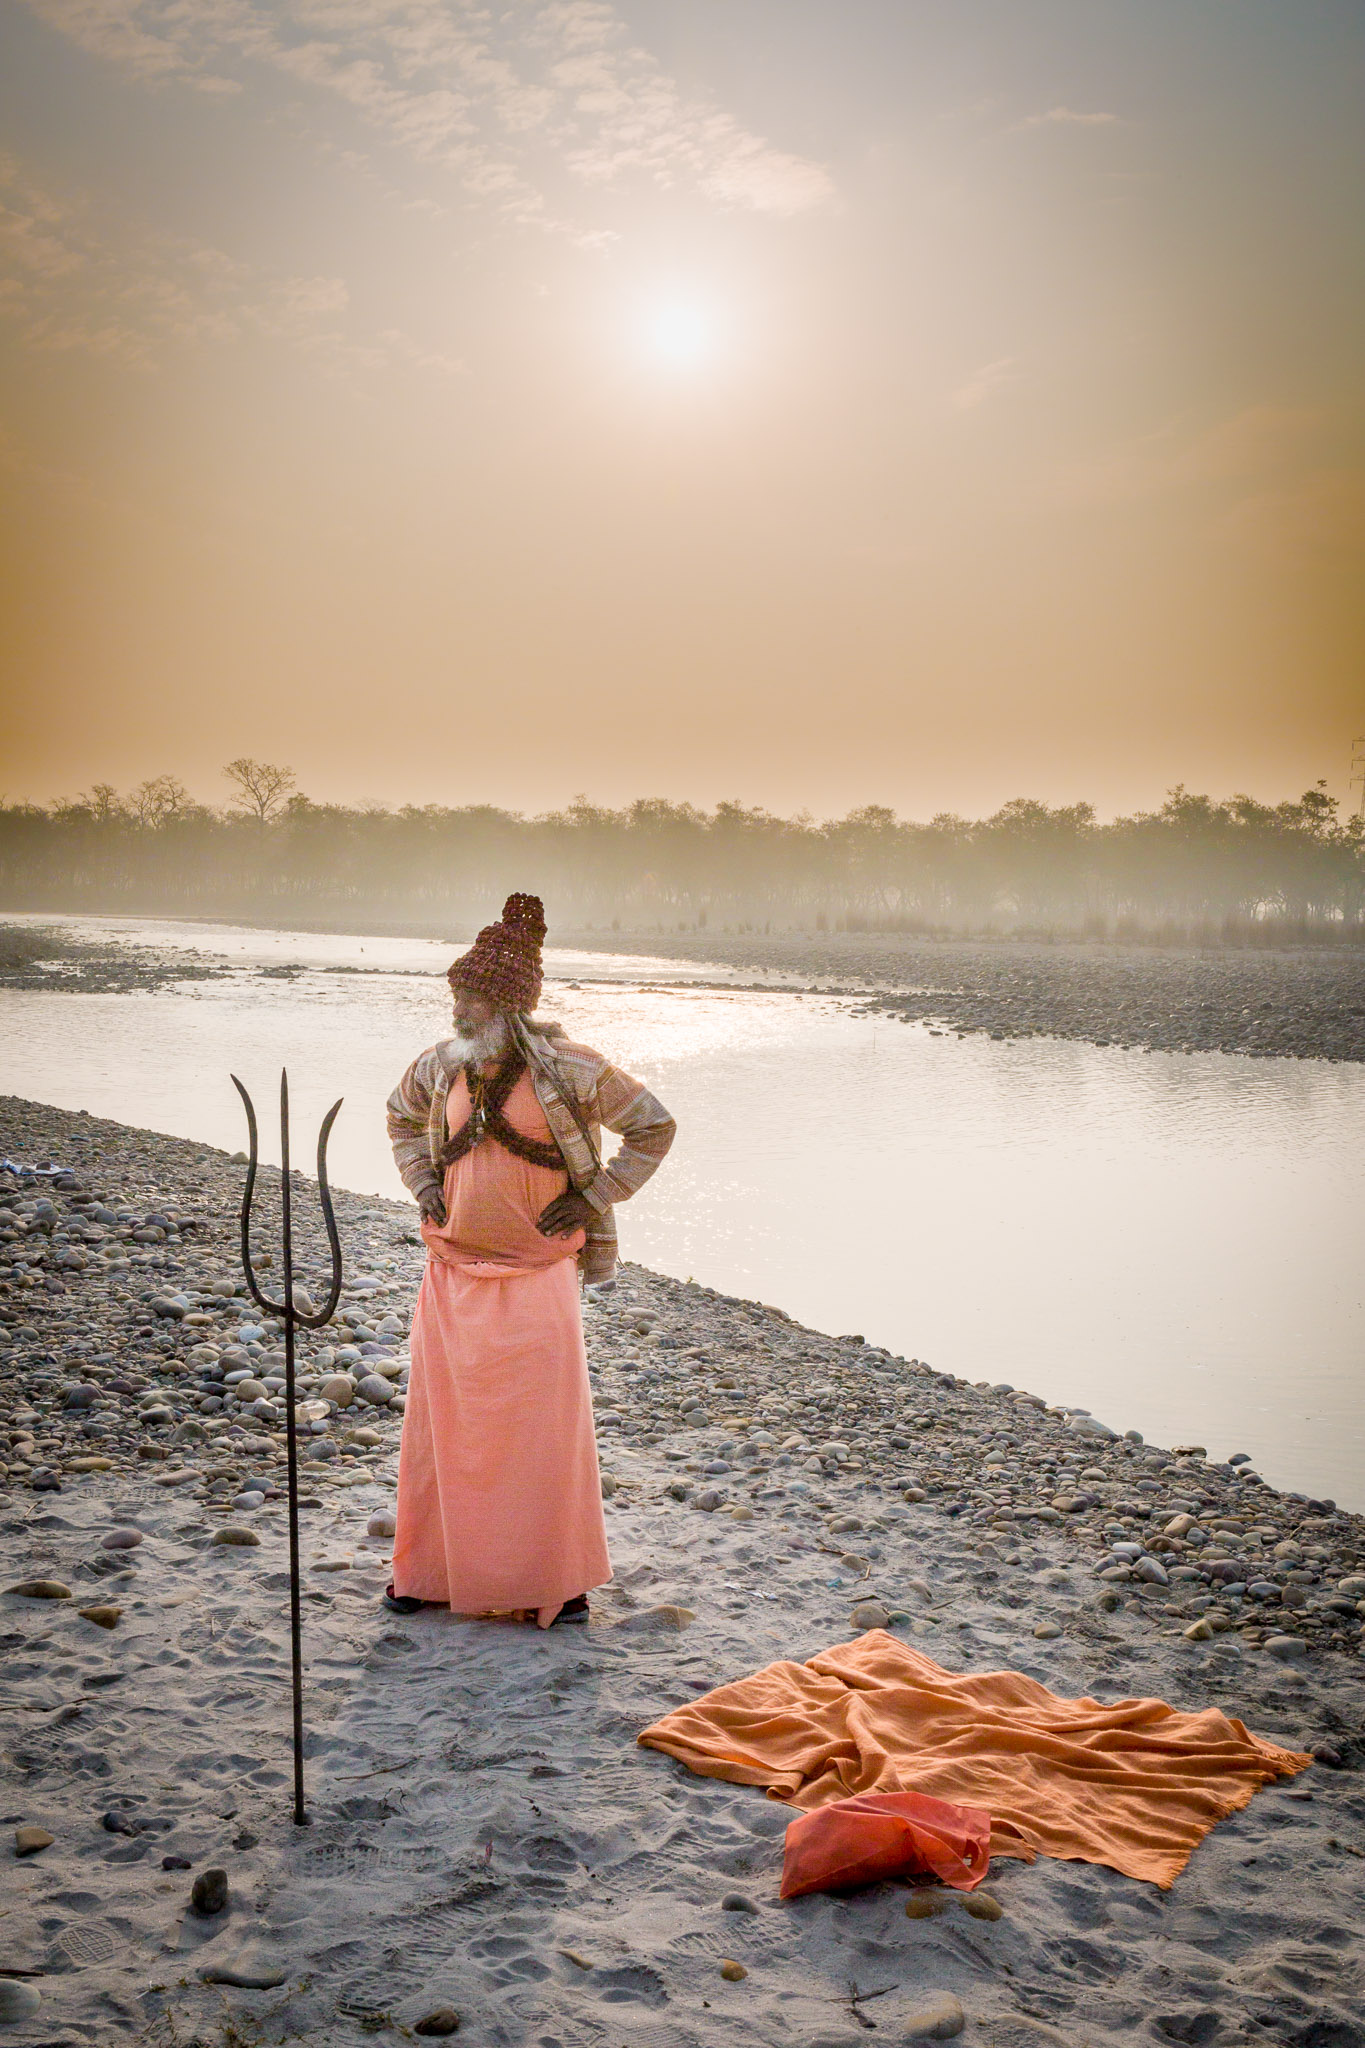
[[499, 1493]]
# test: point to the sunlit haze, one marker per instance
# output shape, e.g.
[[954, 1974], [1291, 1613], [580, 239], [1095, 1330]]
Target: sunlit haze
[[908, 404]]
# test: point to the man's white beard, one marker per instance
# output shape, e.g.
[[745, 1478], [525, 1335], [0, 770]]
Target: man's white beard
[[489, 1043]]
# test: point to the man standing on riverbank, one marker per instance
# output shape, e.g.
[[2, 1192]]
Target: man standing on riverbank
[[496, 1132]]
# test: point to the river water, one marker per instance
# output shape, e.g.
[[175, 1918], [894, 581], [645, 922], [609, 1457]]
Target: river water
[[1170, 1241]]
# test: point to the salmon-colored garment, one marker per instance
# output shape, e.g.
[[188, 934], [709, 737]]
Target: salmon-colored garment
[[499, 1493], [1136, 1785]]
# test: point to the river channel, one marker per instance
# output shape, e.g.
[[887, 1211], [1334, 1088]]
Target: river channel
[[1171, 1241]]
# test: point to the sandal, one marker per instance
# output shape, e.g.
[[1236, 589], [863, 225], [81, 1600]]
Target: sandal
[[574, 1610], [402, 1603]]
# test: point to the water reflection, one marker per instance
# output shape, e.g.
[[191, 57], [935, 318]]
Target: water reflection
[[1170, 1241]]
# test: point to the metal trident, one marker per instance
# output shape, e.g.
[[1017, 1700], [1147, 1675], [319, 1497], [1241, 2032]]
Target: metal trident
[[293, 1316]]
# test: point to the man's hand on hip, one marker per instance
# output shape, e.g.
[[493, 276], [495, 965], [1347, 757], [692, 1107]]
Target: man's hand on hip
[[567, 1213], [431, 1202]]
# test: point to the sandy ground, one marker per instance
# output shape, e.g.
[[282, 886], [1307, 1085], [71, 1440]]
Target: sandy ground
[[486, 1835]]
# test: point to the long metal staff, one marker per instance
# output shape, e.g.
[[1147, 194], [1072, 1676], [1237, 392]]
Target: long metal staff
[[293, 1316]]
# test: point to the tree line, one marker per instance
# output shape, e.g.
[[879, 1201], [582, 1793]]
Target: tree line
[[1197, 868]]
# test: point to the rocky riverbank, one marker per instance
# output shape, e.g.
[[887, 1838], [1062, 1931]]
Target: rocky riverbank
[[1306, 1003], [486, 1836]]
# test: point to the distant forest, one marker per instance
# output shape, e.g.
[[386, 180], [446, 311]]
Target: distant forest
[[1238, 872]]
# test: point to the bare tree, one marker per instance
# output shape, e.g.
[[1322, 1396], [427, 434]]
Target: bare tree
[[261, 786], [103, 802], [158, 800]]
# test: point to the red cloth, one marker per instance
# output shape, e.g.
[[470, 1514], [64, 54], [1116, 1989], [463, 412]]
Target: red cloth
[[886, 1834]]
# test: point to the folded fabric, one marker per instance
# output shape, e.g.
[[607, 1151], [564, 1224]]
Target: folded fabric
[[1135, 1785], [885, 1834]]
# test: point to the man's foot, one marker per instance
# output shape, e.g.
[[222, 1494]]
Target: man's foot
[[402, 1603], [573, 1610]]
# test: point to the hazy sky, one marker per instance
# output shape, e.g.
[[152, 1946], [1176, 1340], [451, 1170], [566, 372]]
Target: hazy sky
[[819, 402]]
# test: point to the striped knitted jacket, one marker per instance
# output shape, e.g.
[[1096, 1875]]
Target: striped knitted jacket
[[566, 1078]]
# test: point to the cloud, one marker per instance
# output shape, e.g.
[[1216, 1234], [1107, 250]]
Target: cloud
[[72, 282], [984, 383], [1068, 117], [503, 101]]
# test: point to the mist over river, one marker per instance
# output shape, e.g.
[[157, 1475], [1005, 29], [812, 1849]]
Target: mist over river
[[1172, 1242]]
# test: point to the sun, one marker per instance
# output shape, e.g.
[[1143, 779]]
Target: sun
[[681, 333]]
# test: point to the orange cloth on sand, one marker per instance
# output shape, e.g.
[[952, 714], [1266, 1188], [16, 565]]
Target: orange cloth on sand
[[499, 1493], [1136, 1785]]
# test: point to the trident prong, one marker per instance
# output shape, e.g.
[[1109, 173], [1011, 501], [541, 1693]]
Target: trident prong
[[313, 1319]]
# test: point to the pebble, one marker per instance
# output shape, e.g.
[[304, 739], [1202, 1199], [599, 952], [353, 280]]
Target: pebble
[[940, 2019], [103, 1617], [382, 1522], [375, 1389], [733, 1972], [209, 1893], [41, 1589], [121, 1539], [235, 1537], [1047, 1631], [982, 1906], [1289, 1649], [445, 2020], [656, 1620], [18, 2001], [926, 1905], [28, 1841], [871, 1614], [736, 1902]]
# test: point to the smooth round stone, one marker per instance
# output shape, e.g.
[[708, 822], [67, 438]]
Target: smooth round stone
[[982, 1906], [1047, 1632], [870, 1614], [366, 1437], [18, 2001], [121, 1539], [248, 1390], [250, 1499], [437, 2025], [926, 1905], [102, 1616], [733, 1972], [339, 1387], [381, 1523], [28, 1841], [375, 1389], [209, 1893], [737, 1902], [233, 1537], [1287, 1648], [939, 2019], [41, 1589]]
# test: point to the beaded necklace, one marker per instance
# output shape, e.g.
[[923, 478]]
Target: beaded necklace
[[487, 1096]]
